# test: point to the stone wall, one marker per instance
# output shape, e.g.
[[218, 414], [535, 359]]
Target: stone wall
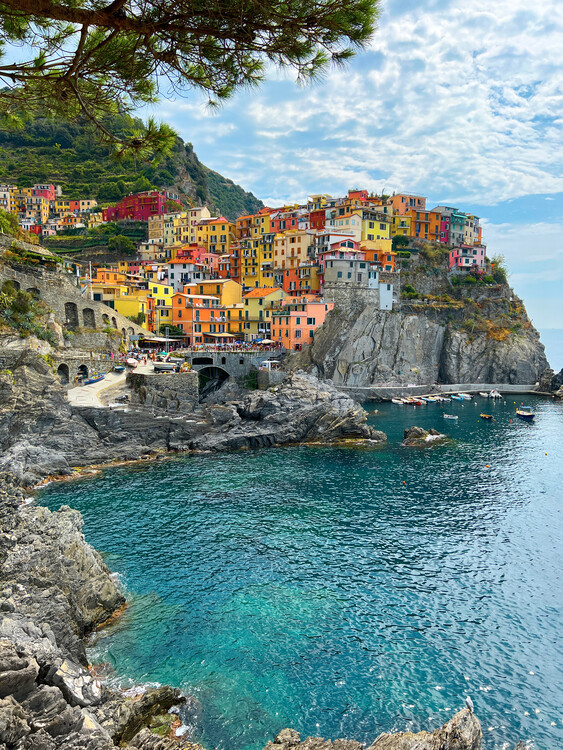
[[171, 393], [70, 308]]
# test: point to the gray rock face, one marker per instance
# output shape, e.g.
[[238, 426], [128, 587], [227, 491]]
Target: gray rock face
[[41, 435], [365, 346], [419, 436], [462, 732]]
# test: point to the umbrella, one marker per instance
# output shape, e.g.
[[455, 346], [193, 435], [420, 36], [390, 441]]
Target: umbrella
[[266, 341]]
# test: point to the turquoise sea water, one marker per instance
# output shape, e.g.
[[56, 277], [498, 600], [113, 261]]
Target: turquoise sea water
[[345, 592]]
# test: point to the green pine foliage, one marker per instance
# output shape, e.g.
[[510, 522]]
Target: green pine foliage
[[69, 155]]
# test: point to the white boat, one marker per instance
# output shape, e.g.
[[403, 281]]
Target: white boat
[[466, 396], [482, 393], [450, 416], [397, 401], [494, 394], [132, 362]]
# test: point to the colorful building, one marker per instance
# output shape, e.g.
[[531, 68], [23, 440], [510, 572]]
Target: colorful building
[[467, 258], [295, 323], [258, 307]]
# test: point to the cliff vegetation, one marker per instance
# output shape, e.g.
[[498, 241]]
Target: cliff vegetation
[[69, 154]]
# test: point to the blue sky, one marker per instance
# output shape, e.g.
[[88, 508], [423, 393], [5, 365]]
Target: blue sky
[[460, 100]]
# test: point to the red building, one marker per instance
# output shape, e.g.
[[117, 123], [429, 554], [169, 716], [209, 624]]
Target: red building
[[138, 207], [44, 191]]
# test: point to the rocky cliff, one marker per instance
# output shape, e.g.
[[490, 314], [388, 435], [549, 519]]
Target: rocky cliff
[[360, 345], [41, 434]]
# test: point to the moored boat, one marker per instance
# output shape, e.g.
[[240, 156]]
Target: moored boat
[[95, 377], [465, 396], [486, 416], [456, 397], [132, 362], [482, 393], [495, 394], [525, 412], [397, 401], [119, 368], [450, 416]]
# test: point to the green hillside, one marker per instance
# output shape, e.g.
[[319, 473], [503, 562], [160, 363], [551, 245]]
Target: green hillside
[[70, 155]]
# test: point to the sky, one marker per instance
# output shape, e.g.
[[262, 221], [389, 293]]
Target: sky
[[458, 100]]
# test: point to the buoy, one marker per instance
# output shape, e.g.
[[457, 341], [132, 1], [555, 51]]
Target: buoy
[[487, 466], [511, 420], [546, 454], [405, 482]]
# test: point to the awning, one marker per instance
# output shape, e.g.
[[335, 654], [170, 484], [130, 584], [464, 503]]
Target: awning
[[220, 335], [160, 339]]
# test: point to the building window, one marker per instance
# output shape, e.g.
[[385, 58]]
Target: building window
[[297, 334], [339, 274], [310, 321]]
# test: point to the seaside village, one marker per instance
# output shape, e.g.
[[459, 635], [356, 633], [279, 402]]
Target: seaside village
[[267, 278]]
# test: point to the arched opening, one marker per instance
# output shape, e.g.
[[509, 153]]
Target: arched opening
[[34, 292], [71, 316], [63, 373], [211, 378], [105, 319], [123, 333], [82, 372], [89, 318], [130, 331], [202, 361], [15, 284], [223, 360], [114, 322]]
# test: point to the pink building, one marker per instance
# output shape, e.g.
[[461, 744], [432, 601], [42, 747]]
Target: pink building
[[295, 323], [44, 191], [445, 223], [467, 257]]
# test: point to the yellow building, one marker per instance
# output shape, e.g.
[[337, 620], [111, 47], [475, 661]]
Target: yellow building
[[228, 291], [375, 225], [132, 306], [258, 307], [293, 248], [235, 319], [215, 234], [401, 225]]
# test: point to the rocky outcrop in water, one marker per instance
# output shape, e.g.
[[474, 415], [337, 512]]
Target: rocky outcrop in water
[[461, 732], [413, 436], [357, 347], [41, 434]]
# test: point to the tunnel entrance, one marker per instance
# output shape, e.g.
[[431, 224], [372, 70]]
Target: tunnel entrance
[[210, 379]]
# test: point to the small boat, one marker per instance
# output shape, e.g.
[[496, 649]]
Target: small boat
[[456, 398], [486, 416], [132, 362], [483, 394], [465, 396], [119, 368], [397, 401], [526, 413], [95, 377], [494, 394], [450, 416]]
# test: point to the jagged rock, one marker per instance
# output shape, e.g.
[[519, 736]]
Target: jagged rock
[[461, 732], [545, 382], [365, 346], [13, 724], [419, 436], [18, 671], [77, 685]]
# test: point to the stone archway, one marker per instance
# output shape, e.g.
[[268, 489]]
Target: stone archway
[[88, 317], [34, 292], [83, 372], [202, 360], [210, 379], [123, 333], [105, 319], [63, 373], [71, 316], [114, 322], [130, 331]]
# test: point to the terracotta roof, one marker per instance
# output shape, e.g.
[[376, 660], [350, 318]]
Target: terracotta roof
[[263, 292]]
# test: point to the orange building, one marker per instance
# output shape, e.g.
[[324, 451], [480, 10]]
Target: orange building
[[295, 323], [109, 276], [201, 317], [404, 202], [425, 224], [386, 259]]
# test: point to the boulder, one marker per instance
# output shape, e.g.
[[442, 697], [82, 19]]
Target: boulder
[[419, 436]]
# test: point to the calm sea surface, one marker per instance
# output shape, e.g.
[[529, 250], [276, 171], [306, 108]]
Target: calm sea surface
[[345, 592]]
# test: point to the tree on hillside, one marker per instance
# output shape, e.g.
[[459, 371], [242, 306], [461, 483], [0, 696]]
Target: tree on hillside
[[95, 58], [121, 244]]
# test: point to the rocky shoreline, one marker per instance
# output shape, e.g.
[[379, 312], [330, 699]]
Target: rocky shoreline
[[41, 434]]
